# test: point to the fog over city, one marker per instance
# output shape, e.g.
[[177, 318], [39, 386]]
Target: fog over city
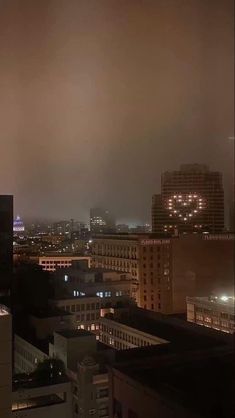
[[99, 97]]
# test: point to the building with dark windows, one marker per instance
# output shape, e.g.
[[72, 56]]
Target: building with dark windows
[[6, 241], [101, 221], [191, 200]]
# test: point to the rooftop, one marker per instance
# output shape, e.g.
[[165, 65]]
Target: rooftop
[[224, 300], [189, 376], [49, 313], [75, 333], [180, 333]]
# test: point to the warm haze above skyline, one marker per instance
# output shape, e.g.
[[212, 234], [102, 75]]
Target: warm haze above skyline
[[99, 97]]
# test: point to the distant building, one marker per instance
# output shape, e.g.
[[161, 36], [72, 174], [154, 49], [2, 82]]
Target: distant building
[[140, 229], [18, 225], [167, 269], [5, 362], [6, 241], [122, 228], [191, 200], [113, 287], [101, 221], [213, 312]]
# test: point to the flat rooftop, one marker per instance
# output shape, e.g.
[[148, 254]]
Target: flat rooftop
[[75, 333], [178, 332], [205, 376], [131, 236], [49, 313], [223, 300]]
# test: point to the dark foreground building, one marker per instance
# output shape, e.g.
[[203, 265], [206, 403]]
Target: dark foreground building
[[6, 241], [191, 376]]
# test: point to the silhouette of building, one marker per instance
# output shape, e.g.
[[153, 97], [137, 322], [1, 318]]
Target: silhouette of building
[[5, 362], [6, 241], [191, 200]]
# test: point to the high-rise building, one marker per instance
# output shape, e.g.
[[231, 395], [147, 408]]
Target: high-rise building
[[191, 200], [5, 362], [6, 241], [168, 269], [101, 221]]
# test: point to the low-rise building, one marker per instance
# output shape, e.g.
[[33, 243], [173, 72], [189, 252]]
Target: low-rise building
[[86, 311], [51, 263], [28, 354], [45, 322], [114, 286], [33, 399], [213, 312], [122, 336]]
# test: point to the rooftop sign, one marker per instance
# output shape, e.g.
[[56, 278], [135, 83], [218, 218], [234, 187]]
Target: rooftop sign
[[154, 241]]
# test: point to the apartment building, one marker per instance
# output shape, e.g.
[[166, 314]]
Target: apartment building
[[212, 312], [168, 269]]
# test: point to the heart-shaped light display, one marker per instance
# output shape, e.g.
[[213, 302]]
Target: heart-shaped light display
[[185, 206]]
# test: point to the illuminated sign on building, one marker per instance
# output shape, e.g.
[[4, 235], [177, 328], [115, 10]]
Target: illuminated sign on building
[[185, 206], [219, 237], [154, 241], [18, 225]]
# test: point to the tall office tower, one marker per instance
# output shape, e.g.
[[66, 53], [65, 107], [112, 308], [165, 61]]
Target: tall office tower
[[101, 221], [6, 241], [5, 363], [191, 200]]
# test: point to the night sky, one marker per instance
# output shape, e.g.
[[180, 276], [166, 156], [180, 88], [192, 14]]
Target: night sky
[[98, 97]]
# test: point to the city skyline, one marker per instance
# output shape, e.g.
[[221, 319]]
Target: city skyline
[[98, 99]]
